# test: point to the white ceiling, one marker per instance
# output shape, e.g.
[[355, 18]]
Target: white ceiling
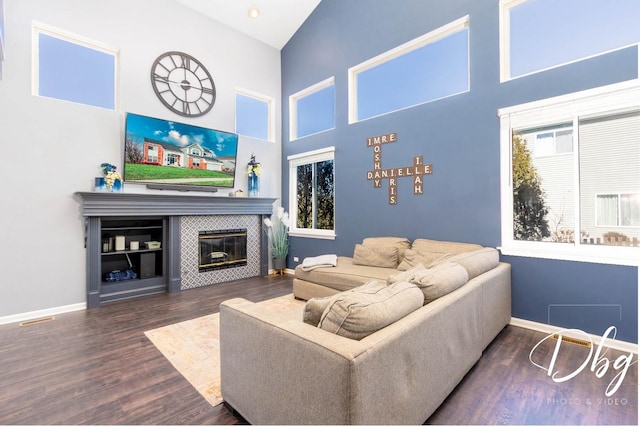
[[278, 20]]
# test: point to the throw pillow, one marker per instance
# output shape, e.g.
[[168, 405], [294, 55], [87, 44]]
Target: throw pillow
[[400, 243], [380, 256], [478, 261], [413, 257], [440, 280], [442, 247], [315, 306], [358, 314], [407, 275]]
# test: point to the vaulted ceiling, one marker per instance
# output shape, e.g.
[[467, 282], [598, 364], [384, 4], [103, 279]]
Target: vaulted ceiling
[[275, 24]]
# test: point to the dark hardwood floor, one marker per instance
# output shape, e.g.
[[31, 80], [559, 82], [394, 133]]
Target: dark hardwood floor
[[97, 367]]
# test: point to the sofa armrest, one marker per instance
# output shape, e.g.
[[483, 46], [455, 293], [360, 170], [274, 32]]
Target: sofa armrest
[[274, 369]]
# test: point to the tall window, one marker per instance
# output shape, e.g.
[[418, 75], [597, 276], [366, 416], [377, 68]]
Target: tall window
[[428, 68], [312, 110], [254, 115], [540, 34], [311, 194], [571, 174], [72, 68]]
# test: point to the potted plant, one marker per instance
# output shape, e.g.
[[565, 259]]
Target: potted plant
[[277, 228]]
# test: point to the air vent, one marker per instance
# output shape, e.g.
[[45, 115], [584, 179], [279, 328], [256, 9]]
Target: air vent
[[37, 321], [575, 341]]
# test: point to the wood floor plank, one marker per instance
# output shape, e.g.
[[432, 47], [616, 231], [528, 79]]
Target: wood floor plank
[[98, 367]]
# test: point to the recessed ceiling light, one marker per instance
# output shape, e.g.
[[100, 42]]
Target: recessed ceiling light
[[253, 12]]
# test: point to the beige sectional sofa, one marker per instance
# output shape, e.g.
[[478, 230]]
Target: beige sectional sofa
[[277, 370]]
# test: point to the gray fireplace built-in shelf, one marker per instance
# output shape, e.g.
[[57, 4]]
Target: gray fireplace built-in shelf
[[139, 244]]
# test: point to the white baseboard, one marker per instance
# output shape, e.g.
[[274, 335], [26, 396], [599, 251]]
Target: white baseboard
[[26, 316], [551, 329]]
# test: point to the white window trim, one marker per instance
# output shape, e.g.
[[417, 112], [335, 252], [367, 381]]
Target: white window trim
[[505, 45], [293, 107], [389, 55], [41, 28], [271, 106], [2, 29], [614, 98], [296, 160]]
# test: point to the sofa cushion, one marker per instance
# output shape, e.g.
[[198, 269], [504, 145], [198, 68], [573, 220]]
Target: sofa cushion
[[435, 281], [476, 262], [381, 256], [360, 313], [345, 275], [409, 275], [314, 307], [414, 257], [429, 251], [400, 243], [440, 280], [443, 247]]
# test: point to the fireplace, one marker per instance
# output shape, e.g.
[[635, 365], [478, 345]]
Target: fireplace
[[220, 249]]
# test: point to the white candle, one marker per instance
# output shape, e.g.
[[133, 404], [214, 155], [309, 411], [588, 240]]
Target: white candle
[[119, 242]]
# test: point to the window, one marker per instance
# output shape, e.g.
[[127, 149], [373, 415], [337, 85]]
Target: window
[[428, 68], [553, 142], [618, 210], [538, 34], [571, 176], [71, 68], [312, 110], [311, 194], [152, 154], [254, 115]]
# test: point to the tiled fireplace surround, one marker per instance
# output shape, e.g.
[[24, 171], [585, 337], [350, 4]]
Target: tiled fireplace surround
[[185, 216]]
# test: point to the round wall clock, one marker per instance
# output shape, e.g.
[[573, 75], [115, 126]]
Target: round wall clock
[[183, 84]]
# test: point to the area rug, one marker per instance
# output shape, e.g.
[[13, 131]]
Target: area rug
[[193, 346]]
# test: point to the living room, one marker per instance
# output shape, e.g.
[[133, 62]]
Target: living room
[[586, 287]]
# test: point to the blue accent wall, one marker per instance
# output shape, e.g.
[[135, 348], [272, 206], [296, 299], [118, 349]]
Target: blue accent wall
[[459, 135]]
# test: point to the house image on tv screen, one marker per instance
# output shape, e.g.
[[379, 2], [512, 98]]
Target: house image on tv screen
[[166, 152], [193, 156]]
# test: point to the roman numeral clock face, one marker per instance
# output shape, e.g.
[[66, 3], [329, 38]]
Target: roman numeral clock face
[[183, 84]]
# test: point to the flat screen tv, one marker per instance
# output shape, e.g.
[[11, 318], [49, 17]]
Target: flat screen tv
[[166, 154]]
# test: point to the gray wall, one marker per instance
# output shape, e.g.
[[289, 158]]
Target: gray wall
[[458, 135], [52, 149]]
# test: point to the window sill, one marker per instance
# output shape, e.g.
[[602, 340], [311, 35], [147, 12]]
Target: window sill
[[608, 256], [313, 233]]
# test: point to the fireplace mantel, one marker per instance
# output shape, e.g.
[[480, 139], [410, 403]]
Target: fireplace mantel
[[126, 204], [99, 208]]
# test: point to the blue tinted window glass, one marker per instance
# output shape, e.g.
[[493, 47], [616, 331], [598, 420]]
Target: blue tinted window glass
[[316, 112], [75, 73], [252, 117], [545, 33], [433, 71]]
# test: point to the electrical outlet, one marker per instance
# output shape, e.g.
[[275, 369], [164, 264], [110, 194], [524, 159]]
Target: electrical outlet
[[296, 259]]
